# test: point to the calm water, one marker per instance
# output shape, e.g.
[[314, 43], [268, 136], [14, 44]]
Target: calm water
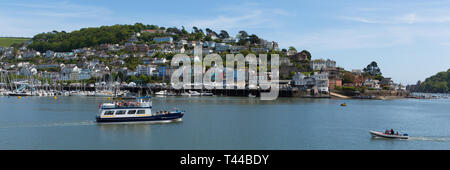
[[227, 123]]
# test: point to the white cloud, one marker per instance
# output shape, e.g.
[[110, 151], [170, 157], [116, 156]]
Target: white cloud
[[409, 18], [253, 18], [358, 19]]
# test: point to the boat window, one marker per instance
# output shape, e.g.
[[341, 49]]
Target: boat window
[[131, 112], [109, 112], [141, 112], [120, 112]]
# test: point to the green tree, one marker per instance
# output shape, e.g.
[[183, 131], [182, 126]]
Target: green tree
[[439, 83], [348, 77], [372, 69]]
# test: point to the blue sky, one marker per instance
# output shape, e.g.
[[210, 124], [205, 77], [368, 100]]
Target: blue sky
[[410, 40]]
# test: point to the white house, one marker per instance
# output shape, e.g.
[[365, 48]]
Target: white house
[[372, 83], [319, 80], [146, 69], [321, 64]]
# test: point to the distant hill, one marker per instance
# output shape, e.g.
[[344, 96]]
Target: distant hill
[[439, 83], [8, 41], [86, 37]]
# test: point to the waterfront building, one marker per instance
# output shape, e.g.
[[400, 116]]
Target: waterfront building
[[359, 80], [372, 83], [302, 81], [319, 81], [386, 81], [322, 81], [333, 82]]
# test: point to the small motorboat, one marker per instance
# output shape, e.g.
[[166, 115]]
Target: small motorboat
[[389, 136], [344, 104], [161, 93]]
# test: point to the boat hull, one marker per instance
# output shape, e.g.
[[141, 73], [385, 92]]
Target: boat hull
[[382, 135], [156, 118]]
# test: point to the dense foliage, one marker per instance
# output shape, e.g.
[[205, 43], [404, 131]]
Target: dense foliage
[[439, 83], [372, 69], [86, 37]]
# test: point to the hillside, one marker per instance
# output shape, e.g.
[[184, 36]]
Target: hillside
[[439, 83], [120, 34], [86, 37], [8, 41]]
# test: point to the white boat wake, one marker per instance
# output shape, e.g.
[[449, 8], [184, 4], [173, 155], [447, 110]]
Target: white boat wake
[[56, 124], [430, 138]]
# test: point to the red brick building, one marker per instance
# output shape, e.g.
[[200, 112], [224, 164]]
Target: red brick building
[[333, 82]]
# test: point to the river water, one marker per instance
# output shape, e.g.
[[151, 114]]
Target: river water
[[227, 123]]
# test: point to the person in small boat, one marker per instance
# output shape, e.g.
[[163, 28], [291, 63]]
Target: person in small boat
[[392, 131], [386, 132]]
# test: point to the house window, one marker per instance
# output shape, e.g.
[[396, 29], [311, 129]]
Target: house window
[[141, 112], [109, 112], [131, 112], [120, 112]]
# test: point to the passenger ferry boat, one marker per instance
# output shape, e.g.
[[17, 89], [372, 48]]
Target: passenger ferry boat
[[135, 111]]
